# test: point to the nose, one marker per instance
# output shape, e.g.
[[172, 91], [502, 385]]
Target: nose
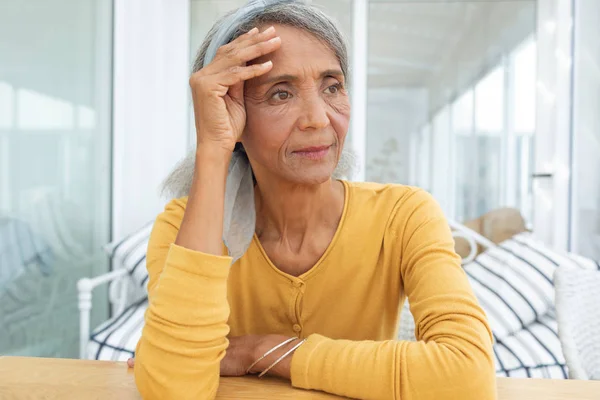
[[313, 114]]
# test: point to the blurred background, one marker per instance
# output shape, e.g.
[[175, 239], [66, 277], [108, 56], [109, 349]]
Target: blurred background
[[485, 103]]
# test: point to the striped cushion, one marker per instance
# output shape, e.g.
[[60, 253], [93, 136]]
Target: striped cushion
[[117, 338], [130, 253], [533, 352], [514, 282]]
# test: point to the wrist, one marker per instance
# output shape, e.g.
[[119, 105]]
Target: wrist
[[266, 343], [213, 154], [219, 146], [211, 165]]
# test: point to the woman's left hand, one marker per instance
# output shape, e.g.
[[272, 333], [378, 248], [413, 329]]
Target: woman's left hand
[[242, 352]]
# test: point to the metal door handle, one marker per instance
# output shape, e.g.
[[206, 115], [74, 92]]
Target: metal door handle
[[542, 175]]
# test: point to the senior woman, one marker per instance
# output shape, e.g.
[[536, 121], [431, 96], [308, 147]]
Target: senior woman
[[271, 265]]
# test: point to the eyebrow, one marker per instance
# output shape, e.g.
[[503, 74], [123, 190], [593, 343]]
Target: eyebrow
[[287, 77]]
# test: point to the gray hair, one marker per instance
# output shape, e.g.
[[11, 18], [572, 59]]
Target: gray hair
[[296, 14]]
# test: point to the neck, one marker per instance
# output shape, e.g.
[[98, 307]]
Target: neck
[[290, 210]]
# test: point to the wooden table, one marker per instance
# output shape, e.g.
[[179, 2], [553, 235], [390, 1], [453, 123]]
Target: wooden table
[[47, 378]]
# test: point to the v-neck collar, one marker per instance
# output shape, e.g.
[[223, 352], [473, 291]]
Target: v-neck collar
[[318, 265]]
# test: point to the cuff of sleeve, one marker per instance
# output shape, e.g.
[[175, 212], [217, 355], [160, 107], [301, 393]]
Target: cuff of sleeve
[[302, 374], [198, 263]]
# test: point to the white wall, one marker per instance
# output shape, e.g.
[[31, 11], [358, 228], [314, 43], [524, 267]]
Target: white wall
[[151, 70]]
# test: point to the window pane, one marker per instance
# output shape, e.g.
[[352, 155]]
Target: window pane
[[464, 160], [489, 129], [524, 162], [424, 158], [523, 113], [462, 114], [489, 102], [442, 181], [54, 169], [488, 153], [523, 95]]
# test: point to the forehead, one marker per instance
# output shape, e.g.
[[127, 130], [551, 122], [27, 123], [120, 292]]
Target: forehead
[[299, 50]]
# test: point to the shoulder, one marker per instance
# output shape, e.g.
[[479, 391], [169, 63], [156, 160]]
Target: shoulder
[[390, 194], [395, 204]]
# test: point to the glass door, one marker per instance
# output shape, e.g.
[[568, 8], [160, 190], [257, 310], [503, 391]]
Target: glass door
[[55, 96], [552, 168], [585, 208]]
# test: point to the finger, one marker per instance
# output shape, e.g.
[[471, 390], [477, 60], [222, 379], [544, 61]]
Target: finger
[[249, 38], [246, 35], [227, 47], [238, 74], [254, 38], [254, 51], [130, 362], [240, 53]]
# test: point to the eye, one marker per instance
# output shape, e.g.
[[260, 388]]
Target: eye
[[333, 89], [281, 95]]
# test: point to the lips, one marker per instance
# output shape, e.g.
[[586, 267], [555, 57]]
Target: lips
[[313, 152]]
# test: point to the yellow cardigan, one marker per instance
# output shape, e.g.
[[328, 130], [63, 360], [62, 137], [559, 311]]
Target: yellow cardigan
[[393, 241]]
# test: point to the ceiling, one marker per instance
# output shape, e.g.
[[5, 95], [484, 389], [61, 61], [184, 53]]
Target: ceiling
[[414, 42]]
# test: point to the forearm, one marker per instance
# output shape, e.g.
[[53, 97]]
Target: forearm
[[394, 370], [202, 225], [185, 335], [184, 339]]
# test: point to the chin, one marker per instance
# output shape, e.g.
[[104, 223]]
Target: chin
[[311, 175]]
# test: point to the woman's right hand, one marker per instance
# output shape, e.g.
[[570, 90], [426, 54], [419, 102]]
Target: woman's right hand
[[218, 88]]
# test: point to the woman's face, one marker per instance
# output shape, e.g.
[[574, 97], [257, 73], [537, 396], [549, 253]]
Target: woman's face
[[298, 113]]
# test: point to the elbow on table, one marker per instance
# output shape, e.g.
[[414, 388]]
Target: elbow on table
[[475, 377], [455, 372], [477, 382], [153, 383]]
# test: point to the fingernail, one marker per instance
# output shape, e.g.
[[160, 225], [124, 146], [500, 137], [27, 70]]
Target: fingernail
[[274, 40], [253, 31], [268, 64], [270, 29]]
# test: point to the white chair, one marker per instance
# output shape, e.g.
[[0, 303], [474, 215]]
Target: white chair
[[127, 282], [118, 281], [472, 237], [578, 315]]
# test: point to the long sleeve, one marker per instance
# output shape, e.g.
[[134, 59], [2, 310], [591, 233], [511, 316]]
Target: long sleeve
[[184, 337], [452, 358]]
